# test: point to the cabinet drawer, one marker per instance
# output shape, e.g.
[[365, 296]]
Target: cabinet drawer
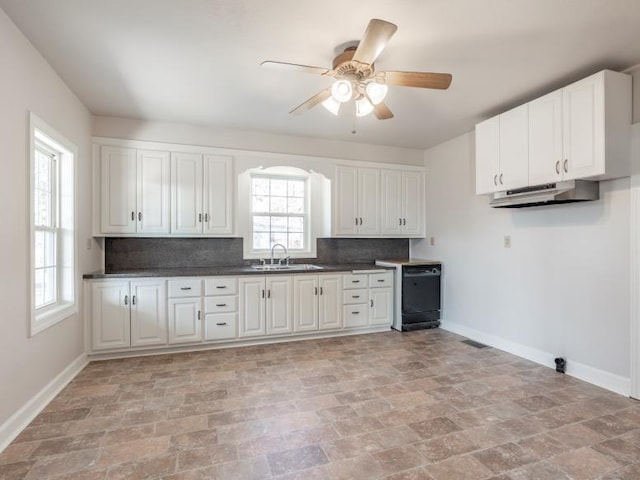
[[355, 315], [187, 287], [221, 304], [219, 326], [358, 295], [381, 279], [356, 281], [220, 286]]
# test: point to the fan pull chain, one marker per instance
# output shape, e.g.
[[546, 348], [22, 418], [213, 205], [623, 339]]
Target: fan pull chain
[[353, 131]]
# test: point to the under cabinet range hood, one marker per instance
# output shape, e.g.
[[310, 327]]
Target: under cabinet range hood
[[568, 191]]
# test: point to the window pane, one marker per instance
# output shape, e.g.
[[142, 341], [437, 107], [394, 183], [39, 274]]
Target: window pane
[[42, 208], [260, 186], [261, 241], [279, 237], [42, 179], [49, 285], [44, 245], [278, 188], [296, 188], [260, 203], [260, 223], [39, 288], [278, 224], [278, 205], [296, 224], [296, 241], [296, 205]]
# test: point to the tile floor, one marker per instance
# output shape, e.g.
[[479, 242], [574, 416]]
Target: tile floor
[[419, 406]]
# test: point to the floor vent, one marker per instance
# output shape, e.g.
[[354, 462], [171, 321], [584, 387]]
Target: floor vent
[[475, 344]]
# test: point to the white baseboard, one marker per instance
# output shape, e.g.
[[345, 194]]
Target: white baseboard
[[10, 429], [606, 380]]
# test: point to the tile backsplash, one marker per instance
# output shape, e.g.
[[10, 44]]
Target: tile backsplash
[[145, 253]]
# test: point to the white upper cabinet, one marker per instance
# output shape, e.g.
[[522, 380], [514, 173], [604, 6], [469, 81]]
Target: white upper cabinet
[[153, 184], [502, 151], [118, 190], [345, 209], [218, 191], [201, 194], [578, 132], [514, 148], [134, 191], [545, 139], [186, 188], [368, 201], [402, 203]]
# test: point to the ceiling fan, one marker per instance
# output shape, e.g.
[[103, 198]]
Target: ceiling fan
[[357, 79]]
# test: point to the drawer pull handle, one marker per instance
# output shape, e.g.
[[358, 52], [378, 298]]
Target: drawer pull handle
[[355, 281], [221, 304], [126, 299], [185, 288], [381, 279], [315, 291], [356, 313], [221, 324], [371, 303], [321, 291], [221, 286], [355, 296]]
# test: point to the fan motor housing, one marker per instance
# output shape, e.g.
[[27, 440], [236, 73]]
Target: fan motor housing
[[346, 68]]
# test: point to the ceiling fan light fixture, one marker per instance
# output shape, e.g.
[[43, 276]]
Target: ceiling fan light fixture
[[363, 107], [342, 91], [332, 105], [376, 92]]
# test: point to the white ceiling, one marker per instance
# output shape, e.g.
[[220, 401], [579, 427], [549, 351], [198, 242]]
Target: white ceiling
[[198, 61]]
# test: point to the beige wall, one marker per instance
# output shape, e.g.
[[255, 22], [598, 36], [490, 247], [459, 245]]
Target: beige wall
[[28, 83], [255, 141]]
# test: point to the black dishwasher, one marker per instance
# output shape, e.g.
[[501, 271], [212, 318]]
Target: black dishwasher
[[420, 297]]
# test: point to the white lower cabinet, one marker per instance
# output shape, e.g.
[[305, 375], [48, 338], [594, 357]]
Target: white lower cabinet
[[185, 310], [265, 305], [128, 314], [368, 299], [317, 302]]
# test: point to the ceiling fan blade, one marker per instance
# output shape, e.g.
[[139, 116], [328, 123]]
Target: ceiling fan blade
[[440, 81], [319, 97], [382, 111], [374, 40], [295, 66]]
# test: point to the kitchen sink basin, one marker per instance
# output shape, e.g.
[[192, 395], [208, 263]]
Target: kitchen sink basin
[[294, 266]]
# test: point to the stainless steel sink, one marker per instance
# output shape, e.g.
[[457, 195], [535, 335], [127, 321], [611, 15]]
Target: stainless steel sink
[[293, 266]]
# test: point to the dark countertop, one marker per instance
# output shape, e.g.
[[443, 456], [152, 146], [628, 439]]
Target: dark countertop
[[225, 270], [407, 262]]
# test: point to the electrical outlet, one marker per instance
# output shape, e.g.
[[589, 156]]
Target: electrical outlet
[[432, 241], [507, 241], [89, 243]]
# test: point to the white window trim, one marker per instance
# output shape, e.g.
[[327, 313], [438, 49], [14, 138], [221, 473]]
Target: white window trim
[[67, 264], [300, 253]]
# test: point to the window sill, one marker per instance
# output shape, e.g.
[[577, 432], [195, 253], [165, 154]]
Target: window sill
[[50, 317]]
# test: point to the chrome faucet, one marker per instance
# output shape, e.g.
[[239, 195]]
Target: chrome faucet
[[274, 247]]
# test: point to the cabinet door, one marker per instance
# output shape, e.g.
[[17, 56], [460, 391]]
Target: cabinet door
[[118, 190], [391, 187], [380, 306], [583, 128], [153, 191], [148, 313], [345, 207], [185, 320], [487, 155], [514, 148], [251, 311], [330, 302], [217, 195], [305, 303], [369, 201], [110, 326], [279, 299], [186, 193], [412, 198], [545, 139]]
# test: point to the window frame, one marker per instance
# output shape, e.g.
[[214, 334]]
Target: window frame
[[306, 250], [44, 138]]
